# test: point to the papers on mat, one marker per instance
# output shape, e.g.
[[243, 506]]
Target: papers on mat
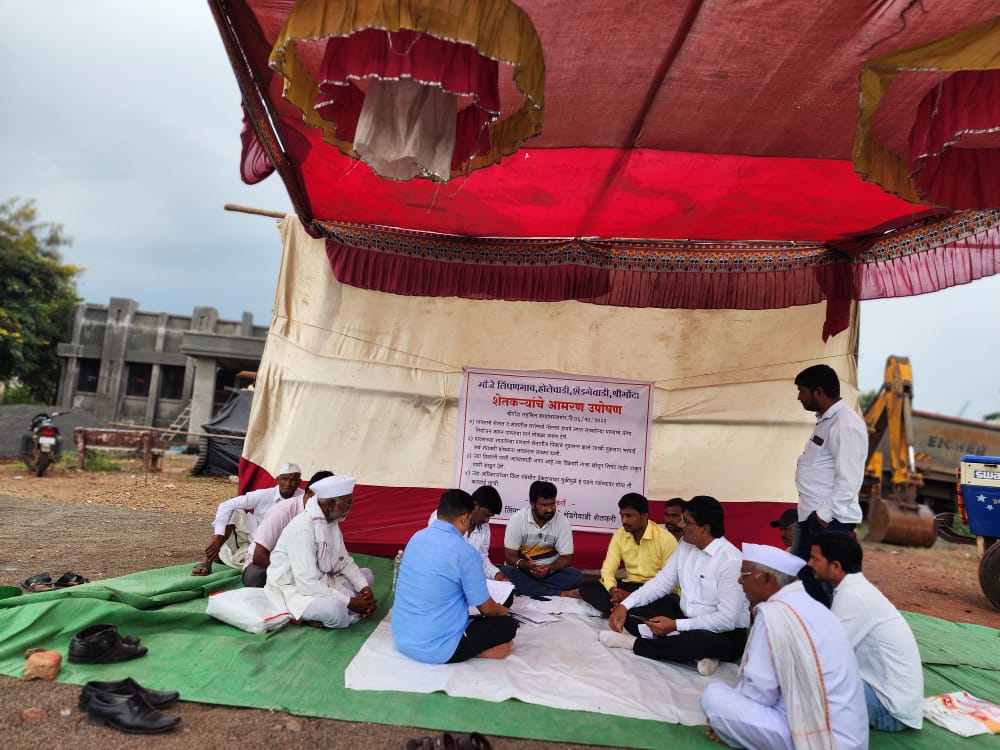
[[524, 610], [500, 592], [566, 651], [963, 714]]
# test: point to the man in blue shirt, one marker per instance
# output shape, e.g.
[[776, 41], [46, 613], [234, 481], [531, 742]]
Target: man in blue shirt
[[440, 577]]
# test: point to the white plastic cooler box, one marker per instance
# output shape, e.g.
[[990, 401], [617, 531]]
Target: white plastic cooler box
[[980, 479]]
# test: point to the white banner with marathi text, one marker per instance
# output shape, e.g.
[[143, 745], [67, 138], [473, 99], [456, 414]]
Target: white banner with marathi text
[[589, 436]]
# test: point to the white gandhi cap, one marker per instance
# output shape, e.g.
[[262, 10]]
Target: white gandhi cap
[[333, 487], [288, 469], [772, 557]]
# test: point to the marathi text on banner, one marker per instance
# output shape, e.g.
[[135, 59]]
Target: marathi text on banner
[[587, 435]]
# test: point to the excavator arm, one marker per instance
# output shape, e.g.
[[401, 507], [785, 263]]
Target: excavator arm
[[892, 412], [895, 516]]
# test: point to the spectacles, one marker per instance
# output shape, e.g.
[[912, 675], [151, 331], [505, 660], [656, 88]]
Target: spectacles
[[745, 573]]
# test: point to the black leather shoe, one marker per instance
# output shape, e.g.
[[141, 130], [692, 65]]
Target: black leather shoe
[[101, 644], [128, 686], [128, 713]]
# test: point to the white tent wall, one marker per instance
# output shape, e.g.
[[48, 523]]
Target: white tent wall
[[367, 383]]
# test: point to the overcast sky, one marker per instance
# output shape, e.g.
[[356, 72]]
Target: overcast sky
[[131, 141]]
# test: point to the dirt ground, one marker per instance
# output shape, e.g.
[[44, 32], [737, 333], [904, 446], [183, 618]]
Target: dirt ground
[[96, 515]]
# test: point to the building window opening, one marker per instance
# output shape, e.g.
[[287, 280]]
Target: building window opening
[[171, 382], [139, 375], [89, 373]]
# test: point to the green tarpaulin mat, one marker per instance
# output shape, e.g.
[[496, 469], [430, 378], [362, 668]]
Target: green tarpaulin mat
[[300, 669]]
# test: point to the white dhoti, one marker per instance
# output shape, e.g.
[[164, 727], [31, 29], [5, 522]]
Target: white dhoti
[[234, 550], [741, 722], [331, 610]]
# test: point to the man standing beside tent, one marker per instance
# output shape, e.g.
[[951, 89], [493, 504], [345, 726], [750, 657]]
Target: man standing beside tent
[[829, 473], [237, 519], [310, 567], [538, 546]]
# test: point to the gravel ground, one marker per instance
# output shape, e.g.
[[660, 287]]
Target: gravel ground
[[98, 514]]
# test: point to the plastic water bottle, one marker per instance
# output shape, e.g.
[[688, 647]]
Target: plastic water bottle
[[395, 568]]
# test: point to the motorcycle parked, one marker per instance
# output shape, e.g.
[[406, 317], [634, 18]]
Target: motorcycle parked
[[42, 444]]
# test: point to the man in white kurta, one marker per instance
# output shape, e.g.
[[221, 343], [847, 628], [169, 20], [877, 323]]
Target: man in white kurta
[[883, 642], [237, 519], [799, 681], [310, 567], [487, 504]]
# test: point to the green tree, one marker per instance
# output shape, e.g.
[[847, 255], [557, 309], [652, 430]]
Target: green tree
[[37, 294], [865, 399]]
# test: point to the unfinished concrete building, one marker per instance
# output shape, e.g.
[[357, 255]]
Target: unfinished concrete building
[[154, 369]]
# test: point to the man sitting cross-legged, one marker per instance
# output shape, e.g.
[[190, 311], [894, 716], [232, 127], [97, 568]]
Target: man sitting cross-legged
[[236, 520], [709, 621], [440, 577], [643, 547], [884, 644], [310, 567], [538, 547], [799, 682], [258, 557]]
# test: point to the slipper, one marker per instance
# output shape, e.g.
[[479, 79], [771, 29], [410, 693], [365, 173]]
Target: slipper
[[201, 569], [69, 578], [40, 582]]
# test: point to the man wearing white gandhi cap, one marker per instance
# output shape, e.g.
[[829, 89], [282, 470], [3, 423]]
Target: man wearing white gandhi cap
[[310, 567], [799, 686], [237, 519]]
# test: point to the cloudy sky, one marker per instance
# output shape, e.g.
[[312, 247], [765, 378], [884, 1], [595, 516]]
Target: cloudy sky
[[131, 141]]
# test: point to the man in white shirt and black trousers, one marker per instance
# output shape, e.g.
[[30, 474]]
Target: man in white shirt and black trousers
[[709, 621], [829, 472]]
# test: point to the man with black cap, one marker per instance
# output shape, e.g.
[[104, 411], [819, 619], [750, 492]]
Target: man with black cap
[[310, 567], [799, 681], [785, 524], [236, 520]]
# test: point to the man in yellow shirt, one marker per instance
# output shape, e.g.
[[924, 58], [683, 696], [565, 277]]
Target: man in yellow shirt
[[643, 547]]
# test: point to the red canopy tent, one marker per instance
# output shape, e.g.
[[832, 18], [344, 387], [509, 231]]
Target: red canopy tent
[[696, 154]]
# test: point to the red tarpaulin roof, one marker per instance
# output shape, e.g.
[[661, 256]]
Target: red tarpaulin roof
[[699, 122]]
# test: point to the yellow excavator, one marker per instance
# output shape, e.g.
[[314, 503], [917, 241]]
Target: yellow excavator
[[894, 514]]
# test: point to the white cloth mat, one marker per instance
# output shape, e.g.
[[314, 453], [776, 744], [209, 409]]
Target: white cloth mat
[[559, 665]]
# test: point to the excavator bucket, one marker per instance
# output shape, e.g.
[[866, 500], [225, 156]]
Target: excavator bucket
[[906, 524]]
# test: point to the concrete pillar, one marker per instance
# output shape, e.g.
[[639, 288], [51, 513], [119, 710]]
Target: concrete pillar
[[111, 383], [71, 364], [246, 324], [154, 379], [203, 392]]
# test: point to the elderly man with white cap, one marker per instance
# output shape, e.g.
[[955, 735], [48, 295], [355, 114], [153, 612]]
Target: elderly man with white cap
[[799, 686], [310, 567], [237, 519]]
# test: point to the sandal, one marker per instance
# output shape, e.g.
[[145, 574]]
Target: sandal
[[69, 578], [36, 583], [473, 741]]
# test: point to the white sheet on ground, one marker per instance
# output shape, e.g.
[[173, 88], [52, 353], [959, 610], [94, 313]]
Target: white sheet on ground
[[558, 665]]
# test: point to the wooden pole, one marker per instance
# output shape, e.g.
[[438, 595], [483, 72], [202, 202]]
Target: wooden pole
[[174, 432], [257, 211]]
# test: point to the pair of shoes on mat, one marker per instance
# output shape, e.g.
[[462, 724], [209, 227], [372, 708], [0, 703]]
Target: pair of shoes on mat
[[44, 582], [127, 706], [447, 741], [103, 644]]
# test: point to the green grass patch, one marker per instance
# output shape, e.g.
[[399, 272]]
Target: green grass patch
[[94, 461]]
